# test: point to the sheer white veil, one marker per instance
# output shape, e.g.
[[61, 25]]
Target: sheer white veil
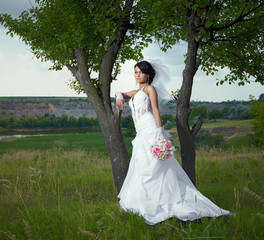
[[160, 80]]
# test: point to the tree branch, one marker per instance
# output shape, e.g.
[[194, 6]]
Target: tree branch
[[239, 19], [251, 19], [85, 81], [214, 38], [219, 59], [196, 127], [108, 60], [74, 70], [197, 64]]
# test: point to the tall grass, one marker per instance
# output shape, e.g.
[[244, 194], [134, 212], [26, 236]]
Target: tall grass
[[58, 194]]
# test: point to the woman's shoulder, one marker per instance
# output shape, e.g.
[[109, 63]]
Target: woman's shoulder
[[150, 89]]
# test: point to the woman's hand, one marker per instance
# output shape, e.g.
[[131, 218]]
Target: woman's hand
[[120, 103], [121, 96], [160, 134], [119, 100]]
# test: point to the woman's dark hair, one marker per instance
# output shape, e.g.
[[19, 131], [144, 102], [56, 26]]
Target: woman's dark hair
[[146, 67]]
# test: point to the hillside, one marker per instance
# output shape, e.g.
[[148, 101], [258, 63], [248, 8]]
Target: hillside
[[75, 106]]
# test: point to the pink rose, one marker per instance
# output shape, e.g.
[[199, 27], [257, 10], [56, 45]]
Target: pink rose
[[156, 149], [169, 145]]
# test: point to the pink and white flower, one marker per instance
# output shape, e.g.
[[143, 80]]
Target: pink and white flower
[[162, 149]]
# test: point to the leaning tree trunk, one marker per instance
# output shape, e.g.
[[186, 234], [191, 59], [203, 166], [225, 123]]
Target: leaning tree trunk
[[116, 148], [109, 119], [187, 135]]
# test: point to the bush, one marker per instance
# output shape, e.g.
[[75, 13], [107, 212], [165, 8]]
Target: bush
[[214, 140], [125, 121], [168, 125], [200, 137], [239, 112], [130, 132], [198, 112], [214, 114], [257, 110]]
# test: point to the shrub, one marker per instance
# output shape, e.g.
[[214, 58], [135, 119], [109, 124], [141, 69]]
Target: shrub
[[130, 132], [257, 110], [168, 125], [200, 137], [214, 140]]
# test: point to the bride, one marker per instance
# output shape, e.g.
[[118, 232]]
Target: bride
[[157, 190]]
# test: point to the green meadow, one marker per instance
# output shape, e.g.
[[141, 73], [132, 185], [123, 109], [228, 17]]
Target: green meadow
[[90, 142], [61, 187]]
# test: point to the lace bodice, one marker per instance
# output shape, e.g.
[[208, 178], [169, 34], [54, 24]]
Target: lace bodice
[[140, 105]]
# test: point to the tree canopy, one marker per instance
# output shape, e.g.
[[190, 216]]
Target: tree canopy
[[55, 29], [229, 33]]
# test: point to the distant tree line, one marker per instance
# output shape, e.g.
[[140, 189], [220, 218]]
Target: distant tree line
[[47, 121], [228, 103], [38, 100], [64, 121], [238, 112]]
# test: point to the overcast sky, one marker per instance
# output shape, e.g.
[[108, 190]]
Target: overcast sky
[[23, 75]]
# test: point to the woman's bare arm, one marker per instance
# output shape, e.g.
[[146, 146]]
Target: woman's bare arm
[[129, 94], [151, 92], [120, 102]]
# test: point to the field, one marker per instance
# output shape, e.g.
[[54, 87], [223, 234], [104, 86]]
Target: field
[[235, 133], [61, 187]]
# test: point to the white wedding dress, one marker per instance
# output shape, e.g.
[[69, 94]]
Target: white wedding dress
[[158, 190]]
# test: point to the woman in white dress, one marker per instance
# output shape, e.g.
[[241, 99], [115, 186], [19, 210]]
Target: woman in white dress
[[156, 190]]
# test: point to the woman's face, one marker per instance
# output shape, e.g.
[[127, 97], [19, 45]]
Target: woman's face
[[140, 76]]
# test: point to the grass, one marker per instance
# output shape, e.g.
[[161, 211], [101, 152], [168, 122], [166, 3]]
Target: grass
[[238, 141], [227, 123], [236, 133], [91, 142], [69, 194]]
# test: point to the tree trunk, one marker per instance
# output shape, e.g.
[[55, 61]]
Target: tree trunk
[[116, 148], [187, 135], [109, 119]]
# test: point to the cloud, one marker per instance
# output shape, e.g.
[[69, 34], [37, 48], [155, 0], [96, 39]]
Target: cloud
[[199, 78], [15, 7], [125, 80], [176, 78], [1, 56], [24, 75], [26, 58], [174, 57]]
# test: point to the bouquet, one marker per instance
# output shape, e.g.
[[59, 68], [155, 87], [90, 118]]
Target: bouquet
[[162, 149]]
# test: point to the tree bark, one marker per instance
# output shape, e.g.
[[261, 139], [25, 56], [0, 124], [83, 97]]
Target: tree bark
[[116, 148], [109, 119], [186, 135]]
